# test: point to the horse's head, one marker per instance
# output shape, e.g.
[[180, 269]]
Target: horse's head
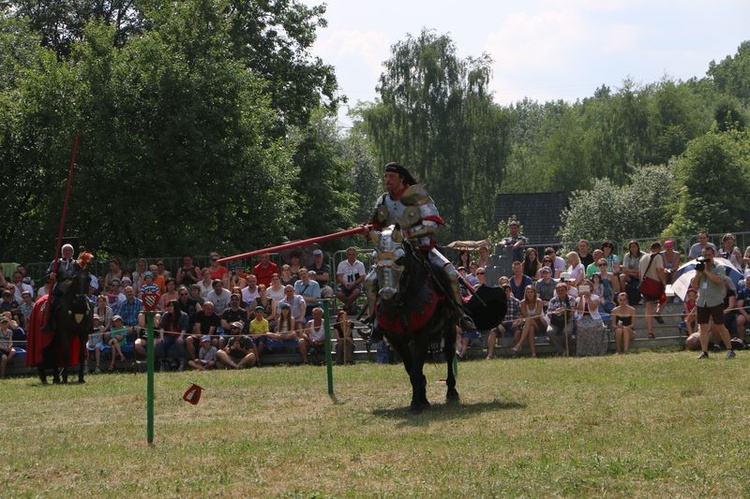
[[390, 260]]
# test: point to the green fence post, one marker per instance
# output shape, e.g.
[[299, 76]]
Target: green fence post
[[327, 343], [150, 377]]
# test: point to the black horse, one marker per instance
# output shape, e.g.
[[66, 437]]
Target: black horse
[[413, 311], [66, 345]]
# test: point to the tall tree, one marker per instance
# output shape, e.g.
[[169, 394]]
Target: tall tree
[[713, 176], [437, 116]]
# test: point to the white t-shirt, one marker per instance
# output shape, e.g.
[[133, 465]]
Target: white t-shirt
[[351, 272]]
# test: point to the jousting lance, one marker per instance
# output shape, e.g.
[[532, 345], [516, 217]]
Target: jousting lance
[[61, 231], [304, 242]]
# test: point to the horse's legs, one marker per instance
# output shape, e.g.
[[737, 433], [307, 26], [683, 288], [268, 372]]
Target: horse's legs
[[81, 359], [408, 353], [41, 370], [450, 381]]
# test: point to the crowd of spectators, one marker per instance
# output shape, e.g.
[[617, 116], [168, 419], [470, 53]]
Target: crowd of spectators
[[575, 301], [212, 316], [205, 317]]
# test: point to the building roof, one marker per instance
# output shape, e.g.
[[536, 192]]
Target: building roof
[[538, 213]]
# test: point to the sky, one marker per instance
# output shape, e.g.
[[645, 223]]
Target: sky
[[542, 49]]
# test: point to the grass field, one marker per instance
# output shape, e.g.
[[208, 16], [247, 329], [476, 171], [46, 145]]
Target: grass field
[[644, 425]]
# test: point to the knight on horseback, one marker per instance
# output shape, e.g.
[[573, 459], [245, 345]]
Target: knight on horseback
[[67, 270], [408, 204]]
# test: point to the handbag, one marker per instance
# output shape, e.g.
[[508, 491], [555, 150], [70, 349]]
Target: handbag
[[650, 288]]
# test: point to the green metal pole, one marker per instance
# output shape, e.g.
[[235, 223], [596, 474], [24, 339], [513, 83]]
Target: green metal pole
[[329, 361], [150, 377]]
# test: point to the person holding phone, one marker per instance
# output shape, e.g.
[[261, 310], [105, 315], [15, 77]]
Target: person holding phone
[[591, 339]]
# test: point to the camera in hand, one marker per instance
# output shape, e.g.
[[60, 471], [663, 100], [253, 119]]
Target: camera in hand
[[700, 263]]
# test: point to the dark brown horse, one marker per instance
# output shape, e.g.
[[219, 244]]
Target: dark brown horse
[[65, 346], [413, 311]]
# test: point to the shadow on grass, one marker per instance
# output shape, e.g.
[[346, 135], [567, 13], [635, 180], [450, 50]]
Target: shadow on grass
[[444, 411]]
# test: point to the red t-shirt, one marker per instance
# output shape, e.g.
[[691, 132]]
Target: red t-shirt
[[264, 274]]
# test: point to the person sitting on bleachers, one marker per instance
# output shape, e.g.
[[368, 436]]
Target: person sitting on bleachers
[[7, 351], [511, 324], [561, 324], [96, 341]]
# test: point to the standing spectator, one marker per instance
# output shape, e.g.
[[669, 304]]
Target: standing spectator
[[515, 241], [206, 356], [671, 260], [219, 296], [652, 266], [696, 250], [258, 329], [7, 351], [631, 274], [591, 339], [583, 249], [531, 311], [531, 264], [265, 269], [560, 314], [709, 281], [576, 271], [350, 275], [623, 321], [511, 324], [519, 281], [189, 273], [322, 274]]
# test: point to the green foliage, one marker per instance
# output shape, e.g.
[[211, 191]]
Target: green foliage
[[639, 208], [437, 116], [323, 187], [732, 75], [713, 175]]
